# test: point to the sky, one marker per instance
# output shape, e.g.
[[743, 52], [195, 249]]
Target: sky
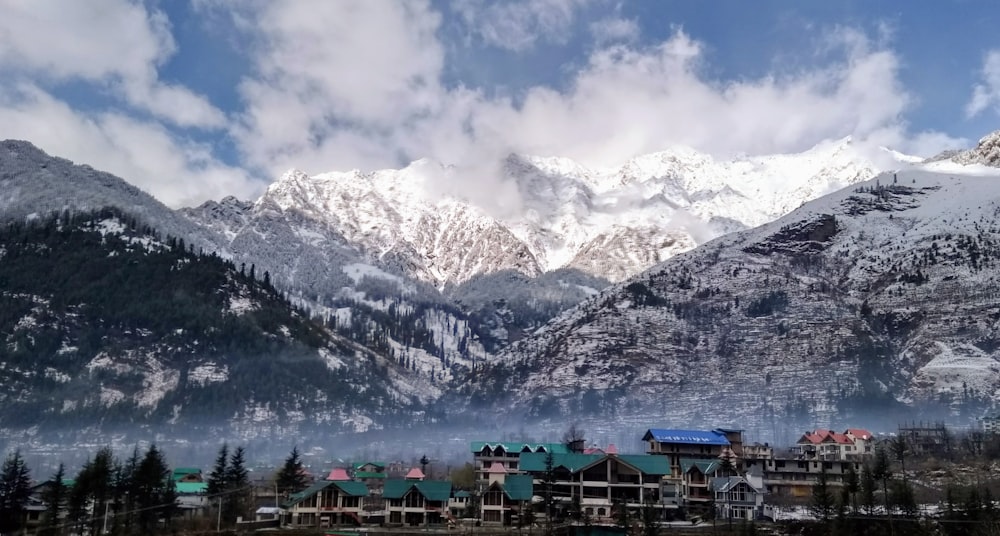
[[194, 100]]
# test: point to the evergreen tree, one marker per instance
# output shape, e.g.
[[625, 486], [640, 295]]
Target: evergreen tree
[[15, 490], [217, 478], [868, 486], [852, 485], [883, 472], [823, 505], [237, 481], [650, 519], [55, 497], [156, 493], [291, 478]]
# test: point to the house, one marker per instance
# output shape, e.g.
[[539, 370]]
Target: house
[[191, 498], [601, 482], [735, 497], [506, 500], [696, 475], [821, 444], [694, 444], [187, 474], [991, 424], [758, 451], [459, 502], [795, 477], [372, 474], [485, 454], [417, 502], [335, 501]]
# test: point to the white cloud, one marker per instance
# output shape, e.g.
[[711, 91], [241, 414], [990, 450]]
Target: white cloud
[[615, 30], [177, 172], [114, 43], [519, 25], [987, 92]]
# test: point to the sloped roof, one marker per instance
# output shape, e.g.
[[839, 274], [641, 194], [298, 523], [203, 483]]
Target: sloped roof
[[368, 474], [690, 437], [497, 468], [612, 449], [432, 490], [338, 473], [859, 433], [573, 462], [555, 448], [461, 494], [820, 436], [648, 463], [191, 488], [359, 465], [415, 474], [349, 487], [726, 483], [519, 487], [705, 466]]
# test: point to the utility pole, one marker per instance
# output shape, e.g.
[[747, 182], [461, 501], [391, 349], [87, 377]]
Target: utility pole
[[218, 523], [106, 505]]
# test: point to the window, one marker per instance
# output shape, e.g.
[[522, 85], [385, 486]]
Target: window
[[492, 516], [414, 500], [601, 512]]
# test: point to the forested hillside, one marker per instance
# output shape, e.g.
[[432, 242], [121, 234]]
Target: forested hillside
[[102, 321]]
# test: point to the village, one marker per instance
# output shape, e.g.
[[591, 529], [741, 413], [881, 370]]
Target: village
[[684, 478]]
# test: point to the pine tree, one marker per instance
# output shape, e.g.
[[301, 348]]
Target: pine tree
[[868, 487], [217, 478], [15, 490], [822, 506], [237, 486], [852, 485], [291, 478], [156, 493], [55, 497]]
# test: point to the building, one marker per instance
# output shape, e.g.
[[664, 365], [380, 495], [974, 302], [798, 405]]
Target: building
[[187, 474], [854, 443], [991, 424], [696, 476], [416, 502], [601, 482], [336, 501], [794, 478], [485, 454], [694, 444], [507, 499], [738, 497]]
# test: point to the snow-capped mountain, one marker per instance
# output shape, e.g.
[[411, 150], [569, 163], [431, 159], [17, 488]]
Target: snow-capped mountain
[[610, 223], [884, 293]]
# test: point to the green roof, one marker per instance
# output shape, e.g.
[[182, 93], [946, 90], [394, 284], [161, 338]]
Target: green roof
[[359, 465], [519, 487], [368, 474], [649, 464], [349, 487], [352, 488], [535, 461], [432, 490], [191, 488], [461, 494], [555, 448], [705, 466]]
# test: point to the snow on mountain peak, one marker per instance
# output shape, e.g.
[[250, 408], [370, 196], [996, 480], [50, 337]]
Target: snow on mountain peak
[[544, 213]]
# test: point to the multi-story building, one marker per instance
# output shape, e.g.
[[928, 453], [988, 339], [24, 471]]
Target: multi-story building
[[601, 482], [694, 444], [326, 503], [796, 477], [738, 497], [485, 454], [506, 499], [417, 502], [828, 445]]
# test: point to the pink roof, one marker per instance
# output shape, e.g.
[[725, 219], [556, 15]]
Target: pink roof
[[859, 433], [415, 474], [593, 450], [825, 436], [338, 474], [612, 449], [496, 469]]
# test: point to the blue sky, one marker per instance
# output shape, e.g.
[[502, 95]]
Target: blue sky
[[194, 100]]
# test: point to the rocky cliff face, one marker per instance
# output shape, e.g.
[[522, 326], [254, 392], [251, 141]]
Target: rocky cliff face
[[882, 295]]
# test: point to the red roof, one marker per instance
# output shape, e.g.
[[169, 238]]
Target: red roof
[[415, 474], [612, 449], [495, 469], [338, 474], [825, 436], [859, 433]]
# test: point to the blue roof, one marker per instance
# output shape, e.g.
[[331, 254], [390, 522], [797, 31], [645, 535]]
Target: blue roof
[[692, 437]]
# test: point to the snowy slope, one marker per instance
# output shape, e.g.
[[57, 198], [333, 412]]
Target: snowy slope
[[610, 223], [885, 292]]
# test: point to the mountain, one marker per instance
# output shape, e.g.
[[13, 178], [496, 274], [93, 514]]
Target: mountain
[[609, 223], [881, 295], [127, 329]]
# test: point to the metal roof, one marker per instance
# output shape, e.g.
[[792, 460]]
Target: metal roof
[[535, 461], [555, 448], [519, 487], [688, 437], [432, 490]]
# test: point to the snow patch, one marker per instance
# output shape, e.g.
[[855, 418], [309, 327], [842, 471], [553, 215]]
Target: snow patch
[[208, 373]]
